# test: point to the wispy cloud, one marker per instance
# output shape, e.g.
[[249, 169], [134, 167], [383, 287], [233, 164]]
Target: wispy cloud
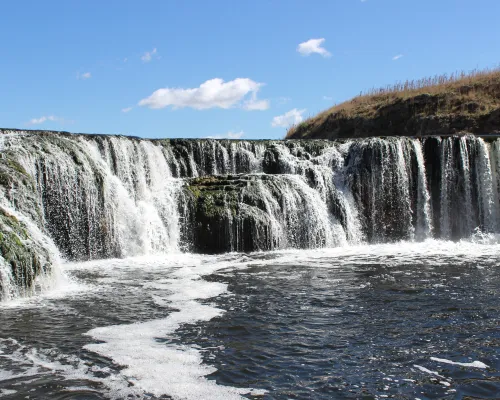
[[41, 120], [214, 93], [148, 55], [313, 46], [85, 75], [229, 135], [284, 100], [395, 58], [256, 105], [327, 98], [289, 118], [127, 109]]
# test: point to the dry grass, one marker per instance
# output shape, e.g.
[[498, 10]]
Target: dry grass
[[481, 86]]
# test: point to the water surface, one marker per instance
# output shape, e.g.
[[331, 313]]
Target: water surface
[[381, 321]]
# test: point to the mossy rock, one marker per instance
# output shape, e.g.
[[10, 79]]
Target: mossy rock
[[19, 187], [223, 214], [21, 257]]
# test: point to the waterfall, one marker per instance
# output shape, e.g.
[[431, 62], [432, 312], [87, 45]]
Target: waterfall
[[468, 223], [97, 196], [488, 210], [447, 187], [381, 175], [424, 226]]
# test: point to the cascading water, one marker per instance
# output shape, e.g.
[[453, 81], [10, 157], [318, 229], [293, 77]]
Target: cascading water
[[424, 225], [111, 196]]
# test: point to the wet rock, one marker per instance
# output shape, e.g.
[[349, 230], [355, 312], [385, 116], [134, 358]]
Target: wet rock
[[22, 259], [223, 215]]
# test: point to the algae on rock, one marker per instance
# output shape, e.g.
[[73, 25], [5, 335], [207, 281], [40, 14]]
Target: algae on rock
[[22, 259]]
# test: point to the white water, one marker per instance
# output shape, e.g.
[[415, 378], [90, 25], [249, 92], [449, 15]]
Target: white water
[[154, 367], [113, 196], [473, 364]]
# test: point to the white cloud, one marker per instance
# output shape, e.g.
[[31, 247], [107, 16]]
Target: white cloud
[[85, 75], [214, 93], [148, 55], [327, 98], [127, 109], [313, 46], [289, 118], [397, 57], [254, 104], [229, 135], [41, 120]]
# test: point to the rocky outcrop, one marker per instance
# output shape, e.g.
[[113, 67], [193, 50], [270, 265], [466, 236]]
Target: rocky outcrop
[[22, 258], [222, 214], [260, 212]]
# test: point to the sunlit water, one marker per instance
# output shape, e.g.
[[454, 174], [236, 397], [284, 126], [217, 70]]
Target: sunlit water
[[399, 320]]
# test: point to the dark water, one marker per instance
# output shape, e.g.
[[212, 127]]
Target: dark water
[[358, 323]]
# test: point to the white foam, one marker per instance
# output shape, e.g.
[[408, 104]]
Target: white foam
[[55, 285], [7, 392], [35, 363], [428, 371], [170, 369], [474, 364]]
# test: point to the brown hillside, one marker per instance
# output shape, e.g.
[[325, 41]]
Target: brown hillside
[[442, 105]]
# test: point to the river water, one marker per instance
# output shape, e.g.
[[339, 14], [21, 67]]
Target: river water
[[403, 320]]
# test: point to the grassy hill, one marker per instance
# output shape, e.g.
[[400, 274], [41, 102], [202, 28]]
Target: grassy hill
[[441, 105]]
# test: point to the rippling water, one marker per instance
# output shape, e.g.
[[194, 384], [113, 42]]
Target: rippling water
[[399, 321]]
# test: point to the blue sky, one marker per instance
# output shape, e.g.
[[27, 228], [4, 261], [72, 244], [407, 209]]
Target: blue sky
[[222, 68]]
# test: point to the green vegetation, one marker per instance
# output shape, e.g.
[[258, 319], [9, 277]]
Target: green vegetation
[[19, 252], [440, 105], [213, 195]]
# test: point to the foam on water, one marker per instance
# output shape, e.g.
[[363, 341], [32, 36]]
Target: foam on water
[[399, 253], [32, 363], [473, 364], [427, 371], [161, 368]]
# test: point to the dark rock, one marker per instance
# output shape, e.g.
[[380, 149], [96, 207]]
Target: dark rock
[[224, 214]]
